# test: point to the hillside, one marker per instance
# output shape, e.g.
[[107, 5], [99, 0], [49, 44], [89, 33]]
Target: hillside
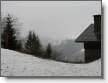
[[66, 50], [18, 64]]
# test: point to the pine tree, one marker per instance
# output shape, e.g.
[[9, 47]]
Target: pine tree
[[28, 44], [8, 36], [38, 42], [48, 51], [33, 44]]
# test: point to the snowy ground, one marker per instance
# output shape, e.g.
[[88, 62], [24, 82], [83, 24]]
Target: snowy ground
[[18, 64]]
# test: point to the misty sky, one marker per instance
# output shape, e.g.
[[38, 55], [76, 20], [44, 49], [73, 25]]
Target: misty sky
[[53, 19]]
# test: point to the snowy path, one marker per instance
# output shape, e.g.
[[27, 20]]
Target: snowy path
[[18, 64]]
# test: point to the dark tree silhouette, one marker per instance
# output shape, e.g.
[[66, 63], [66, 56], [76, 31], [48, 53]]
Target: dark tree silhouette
[[9, 40], [28, 44], [36, 42], [48, 51], [33, 45]]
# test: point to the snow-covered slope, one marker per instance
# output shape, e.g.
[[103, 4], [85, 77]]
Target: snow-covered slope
[[18, 64]]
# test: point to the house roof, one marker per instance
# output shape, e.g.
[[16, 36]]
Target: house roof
[[88, 35]]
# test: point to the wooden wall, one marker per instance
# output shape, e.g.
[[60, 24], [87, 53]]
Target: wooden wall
[[92, 51]]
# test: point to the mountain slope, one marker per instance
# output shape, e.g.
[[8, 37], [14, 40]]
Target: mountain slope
[[18, 64]]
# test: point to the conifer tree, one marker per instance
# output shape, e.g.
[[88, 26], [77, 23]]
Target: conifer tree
[[28, 44], [33, 44], [9, 40], [48, 51]]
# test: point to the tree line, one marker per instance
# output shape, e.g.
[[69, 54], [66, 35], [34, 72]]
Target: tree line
[[32, 45]]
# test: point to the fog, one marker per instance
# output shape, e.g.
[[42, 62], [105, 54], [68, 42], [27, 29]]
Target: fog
[[57, 20]]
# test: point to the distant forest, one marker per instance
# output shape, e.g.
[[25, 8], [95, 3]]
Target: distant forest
[[32, 44], [9, 40]]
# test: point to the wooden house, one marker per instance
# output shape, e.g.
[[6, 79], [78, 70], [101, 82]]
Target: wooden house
[[91, 38]]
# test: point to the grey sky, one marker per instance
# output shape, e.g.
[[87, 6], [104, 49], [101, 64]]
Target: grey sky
[[53, 19]]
